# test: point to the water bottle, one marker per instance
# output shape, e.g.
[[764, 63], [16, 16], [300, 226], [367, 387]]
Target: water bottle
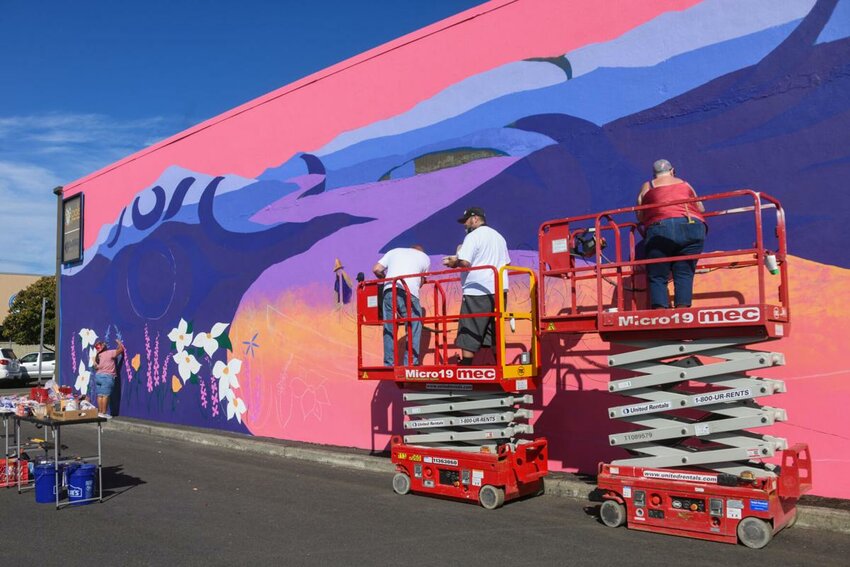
[[770, 263]]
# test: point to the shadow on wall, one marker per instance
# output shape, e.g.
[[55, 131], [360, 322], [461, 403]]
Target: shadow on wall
[[575, 420], [386, 411]]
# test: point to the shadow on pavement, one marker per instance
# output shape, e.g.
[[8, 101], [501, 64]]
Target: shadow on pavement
[[116, 482]]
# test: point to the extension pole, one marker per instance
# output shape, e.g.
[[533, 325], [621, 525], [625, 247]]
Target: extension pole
[[41, 339]]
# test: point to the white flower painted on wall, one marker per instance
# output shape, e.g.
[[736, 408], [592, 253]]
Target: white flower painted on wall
[[227, 376], [181, 336], [235, 407], [193, 351], [210, 341], [200, 355], [88, 337], [83, 377], [187, 365]]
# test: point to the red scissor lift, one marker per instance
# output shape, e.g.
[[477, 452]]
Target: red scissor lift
[[694, 468], [466, 434]]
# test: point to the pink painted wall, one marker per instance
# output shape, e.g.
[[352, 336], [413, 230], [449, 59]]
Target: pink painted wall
[[377, 84], [216, 248]]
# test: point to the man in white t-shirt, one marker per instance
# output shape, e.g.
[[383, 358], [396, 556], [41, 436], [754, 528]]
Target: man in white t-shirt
[[482, 246], [402, 262]]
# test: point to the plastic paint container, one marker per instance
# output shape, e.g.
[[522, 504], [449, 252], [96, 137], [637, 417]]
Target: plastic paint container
[[81, 484], [45, 483]]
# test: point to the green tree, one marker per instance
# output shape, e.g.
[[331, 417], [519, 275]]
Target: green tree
[[23, 323]]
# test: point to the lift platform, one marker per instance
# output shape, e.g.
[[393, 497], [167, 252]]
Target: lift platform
[[695, 467], [467, 434], [514, 365]]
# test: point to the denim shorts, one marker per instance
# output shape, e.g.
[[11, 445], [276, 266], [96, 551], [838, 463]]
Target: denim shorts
[[104, 384]]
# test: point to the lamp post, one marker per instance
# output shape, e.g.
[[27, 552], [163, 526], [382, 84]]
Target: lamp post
[[58, 364]]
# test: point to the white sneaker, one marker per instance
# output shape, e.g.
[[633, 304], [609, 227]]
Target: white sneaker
[[104, 415]]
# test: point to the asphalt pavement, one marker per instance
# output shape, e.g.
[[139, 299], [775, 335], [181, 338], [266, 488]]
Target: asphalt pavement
[[173, 502]]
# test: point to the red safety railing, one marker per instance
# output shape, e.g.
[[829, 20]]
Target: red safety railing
[[439, 316], [582, 257]]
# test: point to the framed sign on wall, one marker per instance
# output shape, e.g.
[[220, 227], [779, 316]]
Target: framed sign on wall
[[72, 229]]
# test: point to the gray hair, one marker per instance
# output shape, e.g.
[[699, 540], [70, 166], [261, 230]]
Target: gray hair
[[661, 166]]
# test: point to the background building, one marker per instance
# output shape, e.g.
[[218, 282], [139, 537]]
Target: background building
[[10, 285]]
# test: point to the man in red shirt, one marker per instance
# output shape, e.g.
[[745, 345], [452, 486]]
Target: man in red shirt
[[671, 230]]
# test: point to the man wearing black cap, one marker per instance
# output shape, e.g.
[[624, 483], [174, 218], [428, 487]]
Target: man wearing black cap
[[482, 246]]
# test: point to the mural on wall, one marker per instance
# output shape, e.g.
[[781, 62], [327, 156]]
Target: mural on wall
[[220, 285]]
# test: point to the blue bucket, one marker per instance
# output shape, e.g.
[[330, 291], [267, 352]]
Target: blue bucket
[[81, 484], [45, 483], [67, 470]]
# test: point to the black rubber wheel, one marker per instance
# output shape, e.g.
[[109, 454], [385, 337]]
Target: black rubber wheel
[[542, 490], [401, 483], [755, 533], [612, 514], [491, 497], [793, 521]]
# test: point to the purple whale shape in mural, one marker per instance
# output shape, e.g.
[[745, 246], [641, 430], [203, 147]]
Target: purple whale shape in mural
[[718, 135], [181, 269]]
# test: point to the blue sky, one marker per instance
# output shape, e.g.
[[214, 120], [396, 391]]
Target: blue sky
[[88, 82]]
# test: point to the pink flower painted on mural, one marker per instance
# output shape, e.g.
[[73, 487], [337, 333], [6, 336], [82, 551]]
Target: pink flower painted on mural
[[156, 374], [203, 391], [163, 371], [128, 370], [148, 359], [214, 396], [73, 351]]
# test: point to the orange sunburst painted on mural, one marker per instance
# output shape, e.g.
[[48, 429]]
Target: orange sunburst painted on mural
[[300, 381], [298, 356]]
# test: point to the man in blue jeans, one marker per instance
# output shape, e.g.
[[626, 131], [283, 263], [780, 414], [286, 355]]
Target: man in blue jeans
[[671, 230], [402, 262]]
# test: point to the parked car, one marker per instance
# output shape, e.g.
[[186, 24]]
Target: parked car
[[29, 365], [9, 368]]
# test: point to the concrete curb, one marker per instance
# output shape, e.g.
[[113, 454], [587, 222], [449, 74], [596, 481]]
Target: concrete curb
[[557, 484]]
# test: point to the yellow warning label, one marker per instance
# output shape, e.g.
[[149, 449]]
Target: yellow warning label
[[551, 327], [365, 376]]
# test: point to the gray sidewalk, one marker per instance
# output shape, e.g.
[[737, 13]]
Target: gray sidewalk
[[836, 519]]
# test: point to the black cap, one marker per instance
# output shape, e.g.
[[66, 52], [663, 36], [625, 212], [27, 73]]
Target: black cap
[[473, 211]]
